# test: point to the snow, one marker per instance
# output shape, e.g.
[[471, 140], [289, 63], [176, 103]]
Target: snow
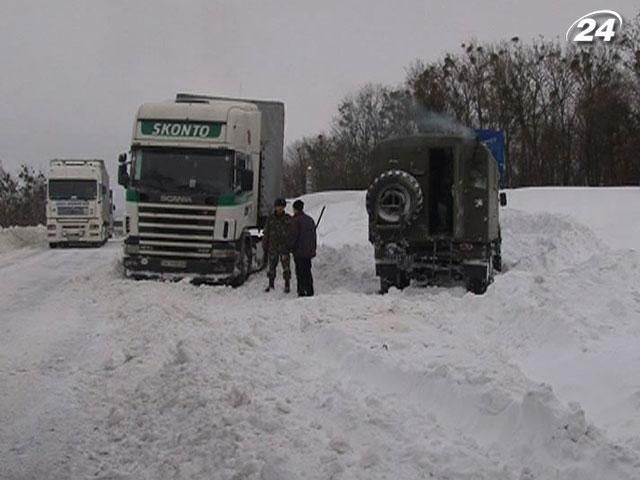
[[108, 378], [14, 238], [612, 213]]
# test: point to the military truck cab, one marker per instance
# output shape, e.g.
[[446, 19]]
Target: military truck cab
[[433, 212]]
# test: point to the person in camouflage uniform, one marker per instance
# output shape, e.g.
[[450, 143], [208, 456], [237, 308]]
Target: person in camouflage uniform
[[275, 241]]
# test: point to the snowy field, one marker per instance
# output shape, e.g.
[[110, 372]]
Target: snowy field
[[105, 378]]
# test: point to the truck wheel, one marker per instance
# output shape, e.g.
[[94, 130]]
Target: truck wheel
[[497, 262], [395, 196], [385, 285], [403, 280], [53, 245], [258, 258], [477, 285], [243, 265], [497, 258]]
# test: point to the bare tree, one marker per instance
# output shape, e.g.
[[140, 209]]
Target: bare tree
[[22, 198]]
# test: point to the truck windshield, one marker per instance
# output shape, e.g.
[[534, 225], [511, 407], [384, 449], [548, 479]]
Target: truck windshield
[[209, 171], [72, 189]]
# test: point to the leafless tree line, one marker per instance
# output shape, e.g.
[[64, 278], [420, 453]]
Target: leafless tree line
[[23, 197], [571, 115]]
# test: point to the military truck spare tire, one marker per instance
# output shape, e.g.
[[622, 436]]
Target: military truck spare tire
[[395, 197]]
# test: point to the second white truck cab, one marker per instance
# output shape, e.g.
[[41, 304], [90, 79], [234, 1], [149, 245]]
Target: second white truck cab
[[79, 203]]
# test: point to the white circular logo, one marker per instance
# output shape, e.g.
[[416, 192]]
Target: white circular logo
[[599, 25]]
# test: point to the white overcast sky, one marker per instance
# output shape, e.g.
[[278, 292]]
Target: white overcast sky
[[73, 72]]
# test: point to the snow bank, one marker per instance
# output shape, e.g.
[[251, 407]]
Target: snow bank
[[535, 379], [612, 213], [13, 238], [345, 219]]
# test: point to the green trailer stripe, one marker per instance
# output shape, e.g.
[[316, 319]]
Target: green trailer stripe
[[230, 199], [133, 196]]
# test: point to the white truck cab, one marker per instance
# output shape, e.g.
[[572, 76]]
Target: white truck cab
[[79, 203], [200, 179]]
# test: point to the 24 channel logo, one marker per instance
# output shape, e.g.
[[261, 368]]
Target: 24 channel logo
[[599, 25]]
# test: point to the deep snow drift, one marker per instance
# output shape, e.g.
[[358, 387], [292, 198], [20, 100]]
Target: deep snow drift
[[15, 238], [108, 378]]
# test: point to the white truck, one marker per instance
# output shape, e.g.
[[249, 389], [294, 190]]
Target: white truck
[[79, 203], [201, 178]]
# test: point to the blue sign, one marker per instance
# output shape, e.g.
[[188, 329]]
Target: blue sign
[[494, 140]]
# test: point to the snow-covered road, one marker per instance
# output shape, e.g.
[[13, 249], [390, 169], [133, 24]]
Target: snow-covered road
[[45, 325], [107, 378]]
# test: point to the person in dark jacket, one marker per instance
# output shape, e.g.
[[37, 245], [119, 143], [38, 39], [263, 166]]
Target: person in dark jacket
[[303, 246], [275, 242]]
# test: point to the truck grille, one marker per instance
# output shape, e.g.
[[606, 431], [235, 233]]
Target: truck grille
[[169, 230], [71, 208], [77, 211]]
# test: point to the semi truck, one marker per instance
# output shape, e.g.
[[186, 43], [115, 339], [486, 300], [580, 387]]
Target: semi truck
[[201, 178], [79, 203]]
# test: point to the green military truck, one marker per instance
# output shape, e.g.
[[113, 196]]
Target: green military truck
[[433, 211]]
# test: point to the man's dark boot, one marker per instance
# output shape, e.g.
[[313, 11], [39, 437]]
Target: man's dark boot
[[271, 285], [287, 286]]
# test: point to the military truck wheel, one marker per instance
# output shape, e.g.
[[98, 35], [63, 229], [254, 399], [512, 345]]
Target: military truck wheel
[[395, 196], [400, 281], [53, 245], [403, 280], [497, 262], [477, 286], [385, 285], [497, 258]]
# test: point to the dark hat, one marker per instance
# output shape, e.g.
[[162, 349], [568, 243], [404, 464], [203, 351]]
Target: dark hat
[[298, 205], [280, 202]]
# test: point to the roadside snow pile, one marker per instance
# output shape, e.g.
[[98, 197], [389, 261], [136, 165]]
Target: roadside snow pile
[[344, 221], [13, 238], [536, 379], [545, 241], [612, 213], [344, 254]]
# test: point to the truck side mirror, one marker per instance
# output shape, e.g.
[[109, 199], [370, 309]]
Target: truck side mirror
[[123, 174], [503, 199], [246, 180]]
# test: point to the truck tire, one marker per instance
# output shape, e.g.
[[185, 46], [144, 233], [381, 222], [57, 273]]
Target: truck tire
[[403, 280], [497, 257], [497, 262], [400, 281], [258, 256], [385, 285], [395, 197], [478, 276], [478, 286], [243, 264]]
